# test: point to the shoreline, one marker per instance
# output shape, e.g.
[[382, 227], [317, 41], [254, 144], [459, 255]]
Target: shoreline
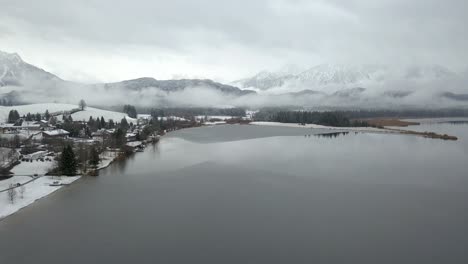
[[35, 189], [383, 130], [38, 187]]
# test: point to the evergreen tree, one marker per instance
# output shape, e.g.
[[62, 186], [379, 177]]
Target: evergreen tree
[[13, 116], [124, 124], [94, 157], [103, 122], [91, 122], [130, 110], [110, 124], [119, 138], [29, 117], [38, 117], [53, 120], [67, 162], [47, 115]]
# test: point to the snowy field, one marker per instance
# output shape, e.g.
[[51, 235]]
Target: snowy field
[[55, 108], [95, 112], [34, 108], [5, 184], [35, 167], [34, 190]]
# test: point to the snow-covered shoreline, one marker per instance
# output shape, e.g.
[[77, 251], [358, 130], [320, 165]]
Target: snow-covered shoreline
[[34, 190], [314, 126], [35, 187]]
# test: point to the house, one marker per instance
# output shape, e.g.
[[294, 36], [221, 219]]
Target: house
[[143, 119], [42, 123], [57, 133], [131, 137], [101, 135]]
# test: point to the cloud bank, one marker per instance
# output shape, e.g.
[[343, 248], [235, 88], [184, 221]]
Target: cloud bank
[[108, 40]]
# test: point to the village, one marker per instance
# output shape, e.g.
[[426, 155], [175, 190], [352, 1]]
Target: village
[[41, 152]]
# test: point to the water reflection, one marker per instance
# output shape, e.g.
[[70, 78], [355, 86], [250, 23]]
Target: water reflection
[[456, 122], [258, 196], [332, 135]]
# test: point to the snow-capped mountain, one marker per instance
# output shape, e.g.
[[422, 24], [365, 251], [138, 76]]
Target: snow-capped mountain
[[14, 71], [326, 74], [265, 80], [344, 76], [21, 82], [322, 85]]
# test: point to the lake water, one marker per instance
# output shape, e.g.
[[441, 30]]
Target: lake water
[[248, 194]]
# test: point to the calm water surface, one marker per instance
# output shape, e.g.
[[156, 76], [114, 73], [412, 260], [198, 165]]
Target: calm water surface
[[246, 194]]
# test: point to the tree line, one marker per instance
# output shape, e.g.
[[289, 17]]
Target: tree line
[[337, 119]]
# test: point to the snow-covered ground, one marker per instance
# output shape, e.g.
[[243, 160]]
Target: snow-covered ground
[[358, 129], [35, 167], [214, 123], [134, 144], [12, 135], [34, 108], [95, 112], [107, 157], [8, 157], [199, 117], [56, 108], [33, 191], [5, 184]]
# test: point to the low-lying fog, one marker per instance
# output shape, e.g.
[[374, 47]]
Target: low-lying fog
[[395, 93]]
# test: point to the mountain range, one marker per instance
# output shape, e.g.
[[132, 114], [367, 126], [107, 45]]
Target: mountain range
[[21, 82], [322, 85], [343, 76]]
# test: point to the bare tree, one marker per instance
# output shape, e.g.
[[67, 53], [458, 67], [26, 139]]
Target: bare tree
[[16, 141], [11, 194], [82, 104], [11, 154], [22, 190]]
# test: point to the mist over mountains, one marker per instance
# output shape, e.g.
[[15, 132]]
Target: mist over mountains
[[343, 86], [327, 76]]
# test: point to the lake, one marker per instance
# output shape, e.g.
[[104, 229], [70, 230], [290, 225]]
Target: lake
[[252, 194]]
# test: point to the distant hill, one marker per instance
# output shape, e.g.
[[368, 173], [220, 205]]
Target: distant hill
[[22, 83], [57, 108], [176, 85]]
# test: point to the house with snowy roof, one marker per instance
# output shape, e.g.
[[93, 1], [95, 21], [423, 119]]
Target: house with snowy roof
[[57, 133]]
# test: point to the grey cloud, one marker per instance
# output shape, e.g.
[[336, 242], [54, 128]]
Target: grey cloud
[[245, 35]]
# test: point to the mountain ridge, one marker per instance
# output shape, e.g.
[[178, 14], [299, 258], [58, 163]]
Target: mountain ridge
[[14, 72], [343, 76]]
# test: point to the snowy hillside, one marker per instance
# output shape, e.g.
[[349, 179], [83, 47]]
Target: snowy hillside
[[14, 71], [56, 108], [265, 80], [335, 74], [345, 76], [95, 112]]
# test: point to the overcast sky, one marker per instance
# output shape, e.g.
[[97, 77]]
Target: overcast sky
[[112, 40]]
